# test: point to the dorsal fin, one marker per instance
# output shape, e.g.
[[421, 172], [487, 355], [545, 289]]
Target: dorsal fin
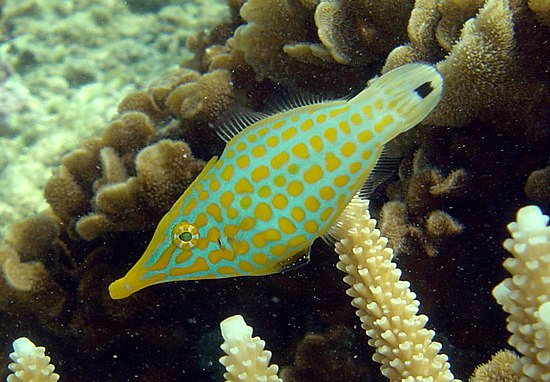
[[292, 99], [236, 120], [238, 117]]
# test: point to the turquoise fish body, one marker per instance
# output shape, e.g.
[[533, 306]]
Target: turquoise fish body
[[280, 184]]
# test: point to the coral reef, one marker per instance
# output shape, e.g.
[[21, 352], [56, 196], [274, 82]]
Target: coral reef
[[387, 308], [20, 276], [67, 64], [485, 156], [542, 10], [206, 99], [125, 203], [25, 264], [270, 26]]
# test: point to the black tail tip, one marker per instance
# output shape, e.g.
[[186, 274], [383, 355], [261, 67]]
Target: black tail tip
[[424, 90]]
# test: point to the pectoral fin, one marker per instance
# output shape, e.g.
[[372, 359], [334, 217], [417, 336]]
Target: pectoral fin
[[299, 259]]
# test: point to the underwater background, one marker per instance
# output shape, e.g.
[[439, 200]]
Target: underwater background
[[99, 99]]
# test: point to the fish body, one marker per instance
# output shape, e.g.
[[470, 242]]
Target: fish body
[[280, 184]]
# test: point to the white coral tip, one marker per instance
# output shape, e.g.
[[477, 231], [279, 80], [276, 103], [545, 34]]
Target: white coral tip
[[23, 346], [531, 218], [235, 329]]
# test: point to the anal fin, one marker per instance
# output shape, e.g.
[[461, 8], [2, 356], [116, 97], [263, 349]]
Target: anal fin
[[298, 260], [385, 167]]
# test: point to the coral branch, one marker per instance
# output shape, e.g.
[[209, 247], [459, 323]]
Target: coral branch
[[385, 304], [30, 363], [246, 359], [526, 295]]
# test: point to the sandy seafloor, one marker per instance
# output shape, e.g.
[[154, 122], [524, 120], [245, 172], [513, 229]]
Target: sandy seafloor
[[64, 66]]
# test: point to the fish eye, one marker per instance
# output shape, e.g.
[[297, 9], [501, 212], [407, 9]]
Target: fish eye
[[185, 235], [424, 90]]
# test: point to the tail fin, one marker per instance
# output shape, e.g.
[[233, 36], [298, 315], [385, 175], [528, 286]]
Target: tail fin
[[408, 93]]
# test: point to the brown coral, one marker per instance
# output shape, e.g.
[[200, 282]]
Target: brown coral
[[31, 247], [129, 133], [480, 68], [542, 10], [453, 16], [332, 350], [272, 24], [358, 32], [31, 237], [152, 101], [497, 369], [65, 196], [95, 163], [163, 171], [286, 41], [481, 65], [21, 276], [415, 217], [101, 172], [537, 187], [205, 99]]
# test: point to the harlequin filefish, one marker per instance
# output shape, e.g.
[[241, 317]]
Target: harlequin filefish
[[280, 183]]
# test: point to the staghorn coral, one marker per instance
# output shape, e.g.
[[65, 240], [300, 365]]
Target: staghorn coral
[[526, 295], [403, 346], [30, 363], [385, 304], [245, 359]]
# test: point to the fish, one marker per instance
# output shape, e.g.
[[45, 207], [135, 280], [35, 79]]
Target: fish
[[280, 183]]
